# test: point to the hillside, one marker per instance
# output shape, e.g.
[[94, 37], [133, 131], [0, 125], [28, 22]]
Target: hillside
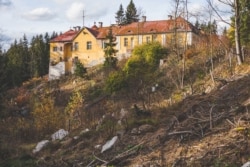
[[207, 128]]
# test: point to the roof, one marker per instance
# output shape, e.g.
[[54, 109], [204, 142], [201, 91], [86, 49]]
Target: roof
[[160, 26], [66, 37], [145, 27]]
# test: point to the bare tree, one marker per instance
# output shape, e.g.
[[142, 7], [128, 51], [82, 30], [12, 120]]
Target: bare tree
[[235, 6]]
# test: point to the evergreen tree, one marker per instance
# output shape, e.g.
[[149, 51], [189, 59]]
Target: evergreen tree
[[131, 13], [197, 24], [110, 51], [3, 72], [26, 58], [120, 16], [245, 22], [15, 64]]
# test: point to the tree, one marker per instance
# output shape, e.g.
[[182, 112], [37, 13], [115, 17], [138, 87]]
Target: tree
[[120, 16], [131, 13], [80, 70], [236, 24], [110, 51], [15, 64], [39, 52]]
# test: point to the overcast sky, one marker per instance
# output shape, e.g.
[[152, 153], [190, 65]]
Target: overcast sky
[[32, 17]]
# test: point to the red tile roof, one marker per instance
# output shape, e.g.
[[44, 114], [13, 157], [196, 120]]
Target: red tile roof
[[146, 27], [161, 26], [66, 37]]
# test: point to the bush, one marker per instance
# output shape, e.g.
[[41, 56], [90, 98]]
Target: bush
[[80, 70]]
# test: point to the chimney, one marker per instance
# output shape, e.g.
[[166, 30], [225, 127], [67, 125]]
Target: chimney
[[144, 18], [170, 17], [100, 24]]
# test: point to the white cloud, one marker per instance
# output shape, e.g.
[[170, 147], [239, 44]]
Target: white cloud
[[5, 4], [39, 14], [75, 11]]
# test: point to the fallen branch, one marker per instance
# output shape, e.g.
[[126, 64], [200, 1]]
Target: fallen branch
[[179, 132], [124, 154], [210, 116], [89, 165], [99, 158]]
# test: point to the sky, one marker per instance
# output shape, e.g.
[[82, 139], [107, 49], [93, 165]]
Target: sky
[[33, 17]]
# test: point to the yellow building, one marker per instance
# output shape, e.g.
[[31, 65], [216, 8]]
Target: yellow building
[[87, 44]]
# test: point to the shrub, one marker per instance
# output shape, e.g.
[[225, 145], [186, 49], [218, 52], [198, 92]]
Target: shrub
[[80, 70]]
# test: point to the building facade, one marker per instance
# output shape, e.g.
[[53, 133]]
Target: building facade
[[87, 44]]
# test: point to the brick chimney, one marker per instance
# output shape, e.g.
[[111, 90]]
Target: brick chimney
[[100, 24], [144, 18]]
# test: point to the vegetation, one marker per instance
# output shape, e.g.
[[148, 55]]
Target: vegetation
[[22, 62], [80, 70], [129, 16], [120, 18], [166, 108], [110, 51]]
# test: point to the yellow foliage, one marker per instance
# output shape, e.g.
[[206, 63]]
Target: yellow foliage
[[47, 118]]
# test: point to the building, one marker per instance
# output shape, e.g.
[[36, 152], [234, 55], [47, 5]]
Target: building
[[87, 44]]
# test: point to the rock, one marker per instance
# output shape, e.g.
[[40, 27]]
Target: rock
[[84, 131], [40, 145], [109, 144], [76, 137], [145, 128], [134, 131], [60, 134], [98, 146], [247, 164]]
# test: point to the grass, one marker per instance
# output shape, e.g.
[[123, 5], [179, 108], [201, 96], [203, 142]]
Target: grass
[[23, 161]]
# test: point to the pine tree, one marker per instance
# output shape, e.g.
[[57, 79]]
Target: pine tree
[[110, 51], [15, 64], [120, 16], [131, 13], [245, 22]]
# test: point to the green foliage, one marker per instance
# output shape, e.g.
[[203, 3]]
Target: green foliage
[[120, 16], [115, 82], [244, 7], [110, 51], [24, 60], [80, 70], [131, 13], [140, 68], [26, 161]]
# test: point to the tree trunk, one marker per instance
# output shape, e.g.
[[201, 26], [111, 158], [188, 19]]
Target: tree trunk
[[237, 33]]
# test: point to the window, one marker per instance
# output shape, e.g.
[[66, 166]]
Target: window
[[132, 42], [76, 46], [54, 49], [89, 45], [125, 41], [61, 48], [154, 37], [148, 39]]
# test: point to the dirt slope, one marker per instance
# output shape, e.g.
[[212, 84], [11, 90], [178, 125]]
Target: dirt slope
[[203, 130]]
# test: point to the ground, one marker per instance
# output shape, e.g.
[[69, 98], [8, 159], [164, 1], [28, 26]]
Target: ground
[[204, 129]]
